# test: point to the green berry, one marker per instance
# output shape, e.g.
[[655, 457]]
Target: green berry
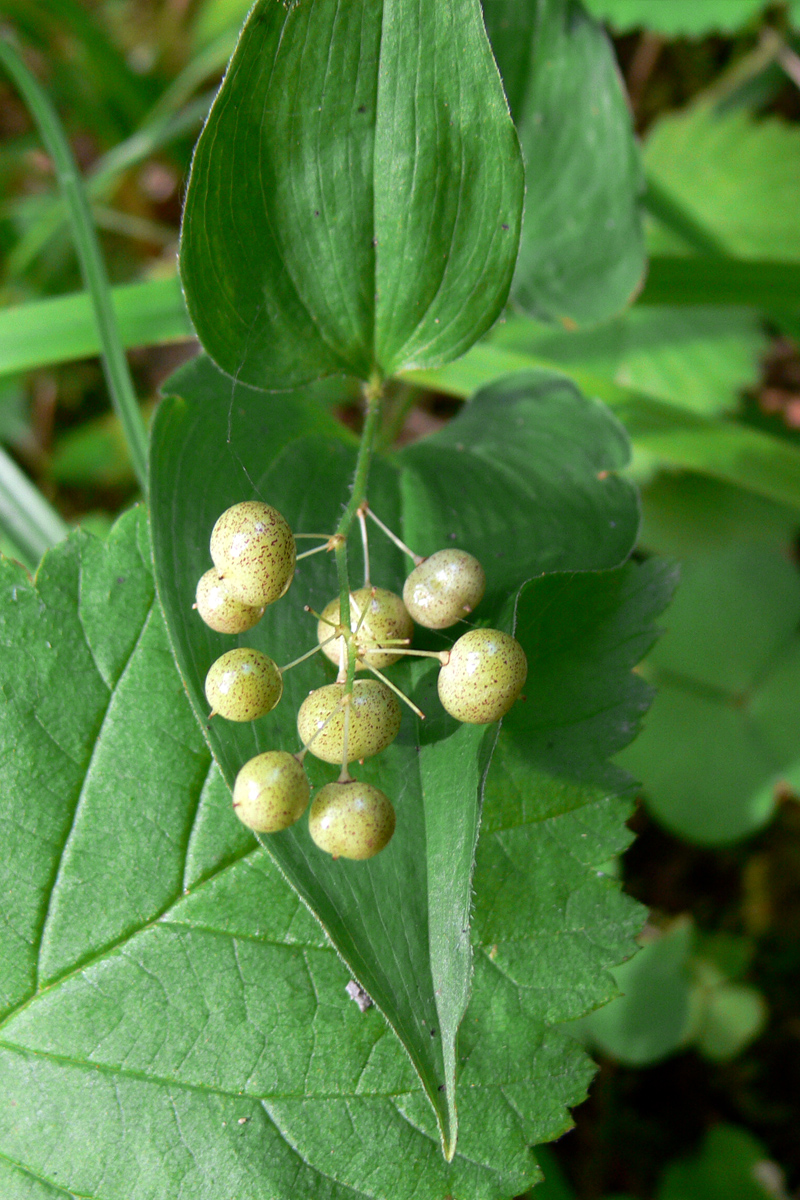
[[271, 792], [386, 620], [483, 676], [444, 588], [222, 611], [351, 820], [254, 551], [243, 684], [374, 720]]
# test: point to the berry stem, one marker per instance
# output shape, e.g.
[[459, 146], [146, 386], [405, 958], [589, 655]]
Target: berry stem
[[442, 655], [416, 558], [307, 553], [362, 520], [307, 654], [396, 691]]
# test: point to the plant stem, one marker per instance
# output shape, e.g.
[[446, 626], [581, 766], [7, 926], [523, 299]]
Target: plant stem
[[115, 365], [373, 392]]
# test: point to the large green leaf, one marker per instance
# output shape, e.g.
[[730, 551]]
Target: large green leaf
[[696, 358], [174, 1021], [364, 213], [676, 18], [676, 437], [738, 176], [582, 248], [533, 462], [724, 730], [731, 1165]]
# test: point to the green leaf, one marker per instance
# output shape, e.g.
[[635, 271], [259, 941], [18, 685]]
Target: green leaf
[[675, 437], [728, 678], [582, 247], [686, 514], [729, 1167], [370, 156], [584, 521], [174, 1019], [734, 1015], [738, 176], [676, 18], [652, 1016], [673, 995], [696, 358]]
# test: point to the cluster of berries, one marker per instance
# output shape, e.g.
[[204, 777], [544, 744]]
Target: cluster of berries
[[254, 555]]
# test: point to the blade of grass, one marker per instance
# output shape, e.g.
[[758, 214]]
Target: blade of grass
[[44, 221], [63, 328], [93, 269], [26, 518]]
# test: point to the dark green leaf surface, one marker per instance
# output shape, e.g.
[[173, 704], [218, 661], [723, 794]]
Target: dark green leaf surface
[[190, 1033], [582, 247], [365, 212], [700, 279], [723, 732], [534, 462]]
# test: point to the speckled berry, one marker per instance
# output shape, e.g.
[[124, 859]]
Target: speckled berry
[[386, 621], [484, 675], [271, 792], [254, 551], [374, 720], [351, 820], [222, 611], [243, 684], [444, 588]]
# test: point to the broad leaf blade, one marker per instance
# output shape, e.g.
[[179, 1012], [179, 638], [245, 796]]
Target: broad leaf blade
[[728, 678], [214, 1049], [370, 157], [737, 176], [582, 247], [750, 458], [400, 919], [548, 921]]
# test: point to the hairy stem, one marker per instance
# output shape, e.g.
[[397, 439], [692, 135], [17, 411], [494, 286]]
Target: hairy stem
[[373, 392]]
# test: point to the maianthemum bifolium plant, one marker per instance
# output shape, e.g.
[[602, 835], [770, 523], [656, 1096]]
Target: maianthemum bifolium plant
[[175, 1019]]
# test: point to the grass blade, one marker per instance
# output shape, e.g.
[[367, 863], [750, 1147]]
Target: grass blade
[[115, 364], [25, 516], [62, 328]]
